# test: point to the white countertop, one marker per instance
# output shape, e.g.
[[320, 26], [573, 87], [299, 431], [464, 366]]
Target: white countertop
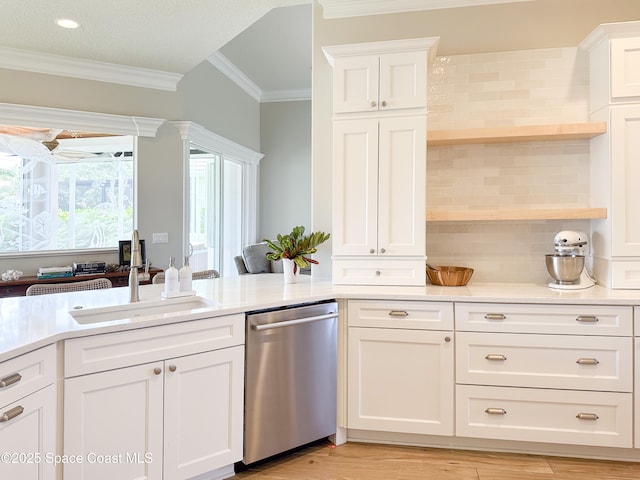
[[27, 323]]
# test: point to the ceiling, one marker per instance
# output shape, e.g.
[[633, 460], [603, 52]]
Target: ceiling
[[267, 43]]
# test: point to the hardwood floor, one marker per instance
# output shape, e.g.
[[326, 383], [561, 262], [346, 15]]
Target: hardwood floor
[[356, 461]]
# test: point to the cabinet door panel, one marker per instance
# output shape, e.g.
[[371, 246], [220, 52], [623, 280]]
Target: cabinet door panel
[[403, 80], [625, 67], [355, 84], [117, 414], [402, 179], [203, 412], [400, 381], [355, 183], [625, 176], [30, 438]]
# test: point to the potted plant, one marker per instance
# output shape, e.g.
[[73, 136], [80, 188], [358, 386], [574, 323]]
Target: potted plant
[[294, 249]]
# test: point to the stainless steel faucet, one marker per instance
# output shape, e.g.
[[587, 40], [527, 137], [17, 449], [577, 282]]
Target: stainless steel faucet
[[136, 263]]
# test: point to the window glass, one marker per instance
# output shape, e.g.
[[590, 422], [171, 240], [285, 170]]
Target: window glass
[[65, 193]]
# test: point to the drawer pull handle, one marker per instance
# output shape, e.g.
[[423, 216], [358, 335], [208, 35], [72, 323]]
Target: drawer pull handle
[[10, 380], [496, 357], [587, 416], [588, 361], [398, 313], [495, 316], [10, 414], [496, 411], [587, 319]]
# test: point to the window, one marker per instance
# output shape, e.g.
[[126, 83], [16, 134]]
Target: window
[[72, 194], [221, 211]]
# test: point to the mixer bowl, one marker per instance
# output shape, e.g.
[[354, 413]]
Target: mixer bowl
[[564, 268]]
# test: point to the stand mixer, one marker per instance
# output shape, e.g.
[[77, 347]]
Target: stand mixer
[[566, 266]]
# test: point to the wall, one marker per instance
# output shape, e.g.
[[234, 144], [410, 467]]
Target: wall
[[285, 170], [498, 88], [204, 96]]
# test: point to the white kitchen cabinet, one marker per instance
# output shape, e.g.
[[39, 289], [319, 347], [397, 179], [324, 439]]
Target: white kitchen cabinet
[[388, 81], [636, 379], [400, 376], [614, 63], [28, 415], [170, 418], [379, 200], [523, 373], [379, 162]]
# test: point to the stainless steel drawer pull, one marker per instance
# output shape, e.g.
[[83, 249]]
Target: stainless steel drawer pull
[[13, 413], [495, 316], [398, 313], [587, 416], [496, 357], [10, 380], [588, 361], [289, 323], [496, 411], [587, 318]]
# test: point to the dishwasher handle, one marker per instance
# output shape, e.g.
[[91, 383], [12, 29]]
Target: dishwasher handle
[[289, 323]]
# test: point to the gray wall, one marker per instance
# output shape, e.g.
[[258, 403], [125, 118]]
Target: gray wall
[[204, 96], [285, 170]]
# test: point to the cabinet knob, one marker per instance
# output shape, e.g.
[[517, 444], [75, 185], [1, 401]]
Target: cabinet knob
[[372, 251], [157, 370], [384, 103], [373, 103], [382, 250], [13, 413], [172, 368], [377, 273], [447, 339]]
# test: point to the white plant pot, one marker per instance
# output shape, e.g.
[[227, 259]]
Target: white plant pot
[[288, 269]]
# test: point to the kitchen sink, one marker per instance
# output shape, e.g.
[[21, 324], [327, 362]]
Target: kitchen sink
[[139, 310]]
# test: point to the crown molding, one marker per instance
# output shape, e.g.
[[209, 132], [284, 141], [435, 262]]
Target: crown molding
[[212, 142], [238, 77], [609, 31], [429, 44], [30, 116], [16, 59], [359, 8]]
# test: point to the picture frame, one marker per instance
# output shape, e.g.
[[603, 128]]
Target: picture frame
[[124, 252]]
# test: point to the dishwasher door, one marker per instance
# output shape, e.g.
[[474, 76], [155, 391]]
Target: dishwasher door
[[291, 377]]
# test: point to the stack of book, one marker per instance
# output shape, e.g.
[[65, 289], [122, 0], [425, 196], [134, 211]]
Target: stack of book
[[89, 268], [55, 272]]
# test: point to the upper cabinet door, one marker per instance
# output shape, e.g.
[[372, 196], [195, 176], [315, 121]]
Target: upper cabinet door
[[403, 80], [355, 84], [625, 67]]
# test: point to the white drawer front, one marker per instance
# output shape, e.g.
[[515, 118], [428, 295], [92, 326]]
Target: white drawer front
[[553, 416], [132, 347], [545, 361], [365, 271], [400, 314], [535, 318], [27, 373]]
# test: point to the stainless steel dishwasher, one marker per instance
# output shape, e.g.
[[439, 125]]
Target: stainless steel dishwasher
[[290, 381]]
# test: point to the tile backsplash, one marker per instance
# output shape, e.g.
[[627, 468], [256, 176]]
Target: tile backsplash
[[529, 87]]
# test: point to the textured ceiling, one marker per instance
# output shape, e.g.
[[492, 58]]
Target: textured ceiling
[[167, 35]]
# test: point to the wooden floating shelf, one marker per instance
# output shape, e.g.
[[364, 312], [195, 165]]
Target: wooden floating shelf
[[528, 133], [521, 214]]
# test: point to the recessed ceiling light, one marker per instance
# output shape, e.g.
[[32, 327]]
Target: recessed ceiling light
[[67, 23]]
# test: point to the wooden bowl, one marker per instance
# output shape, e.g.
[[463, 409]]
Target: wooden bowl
[[450, 276]]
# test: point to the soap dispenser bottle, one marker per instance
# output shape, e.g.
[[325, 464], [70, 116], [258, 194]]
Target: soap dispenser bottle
[[185, 275], [171, 278]]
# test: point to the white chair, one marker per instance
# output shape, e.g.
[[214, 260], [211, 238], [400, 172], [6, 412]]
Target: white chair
[[159, 277], [44, 288]]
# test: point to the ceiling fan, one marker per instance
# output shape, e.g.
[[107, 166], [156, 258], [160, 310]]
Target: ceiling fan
[[41, 144]]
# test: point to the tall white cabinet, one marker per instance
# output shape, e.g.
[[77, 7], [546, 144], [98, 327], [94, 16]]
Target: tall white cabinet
[[614, 56], [379, 161]]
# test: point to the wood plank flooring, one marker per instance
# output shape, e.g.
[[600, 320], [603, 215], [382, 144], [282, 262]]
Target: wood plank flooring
[[356, 461]]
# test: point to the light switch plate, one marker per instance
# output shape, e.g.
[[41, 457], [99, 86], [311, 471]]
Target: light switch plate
[[161, 237]]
